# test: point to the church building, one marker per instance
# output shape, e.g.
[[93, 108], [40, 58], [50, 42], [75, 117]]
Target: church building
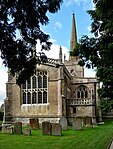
[[58, 88]]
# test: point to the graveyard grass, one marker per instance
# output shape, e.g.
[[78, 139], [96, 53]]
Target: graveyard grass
[[88, 138]]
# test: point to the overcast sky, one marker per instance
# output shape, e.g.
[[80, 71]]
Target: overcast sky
[[59, 29]]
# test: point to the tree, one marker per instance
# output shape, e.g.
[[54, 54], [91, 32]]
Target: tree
[[25, 17], [97, 51]]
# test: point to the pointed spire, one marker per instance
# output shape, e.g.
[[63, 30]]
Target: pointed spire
[[60, 54], [73, 40]]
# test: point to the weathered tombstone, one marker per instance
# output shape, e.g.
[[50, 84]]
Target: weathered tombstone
[[56, 129], [87, 121], [7, 129], [63, 123], [27, 132], [46, 128], [77, 123], [34, 123], [18, 128]]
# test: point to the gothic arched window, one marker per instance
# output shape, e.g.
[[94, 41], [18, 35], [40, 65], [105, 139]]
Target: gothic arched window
[[34, 90], [82, 92]]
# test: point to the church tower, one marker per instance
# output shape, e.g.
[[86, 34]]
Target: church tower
[[72, 64]]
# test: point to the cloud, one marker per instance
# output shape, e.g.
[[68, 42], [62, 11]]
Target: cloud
[[87, 4], [89, 72], [54, 52], [57, 26]]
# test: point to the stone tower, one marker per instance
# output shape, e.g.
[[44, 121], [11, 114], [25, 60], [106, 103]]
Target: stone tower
[[72, 63]]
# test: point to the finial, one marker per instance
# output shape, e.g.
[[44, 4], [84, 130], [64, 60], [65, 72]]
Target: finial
[[60, 54], [60, 50], [64, 57]]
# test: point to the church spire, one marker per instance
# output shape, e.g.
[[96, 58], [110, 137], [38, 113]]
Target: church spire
[[73, 40]]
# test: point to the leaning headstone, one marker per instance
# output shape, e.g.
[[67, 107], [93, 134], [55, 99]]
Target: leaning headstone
[[18, 128], [77, 123], [63, 123], [34, 123], [87, 121], [46, 128], [27, 132], [56, 129]]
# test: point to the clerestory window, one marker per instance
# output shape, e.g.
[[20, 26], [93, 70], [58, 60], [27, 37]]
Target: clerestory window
[[34, 90], [82, 92]]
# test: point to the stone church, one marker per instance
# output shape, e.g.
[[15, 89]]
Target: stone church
[[58, 88]]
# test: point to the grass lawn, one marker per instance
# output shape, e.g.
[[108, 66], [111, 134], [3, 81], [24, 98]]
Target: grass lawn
[[87, 138]]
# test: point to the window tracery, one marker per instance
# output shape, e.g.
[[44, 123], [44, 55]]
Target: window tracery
[[82, 92], [34, 90]]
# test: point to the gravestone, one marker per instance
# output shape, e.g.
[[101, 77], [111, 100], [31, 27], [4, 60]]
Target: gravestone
[[7, 129], [88, 121], [18, 128], [27, 132], [46, 128], [63, 123], [56, 129], [34, 123], [77, 123]]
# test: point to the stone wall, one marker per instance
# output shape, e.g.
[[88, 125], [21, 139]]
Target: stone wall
[[52, 110]]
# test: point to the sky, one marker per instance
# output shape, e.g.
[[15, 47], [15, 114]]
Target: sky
[[59, 29]]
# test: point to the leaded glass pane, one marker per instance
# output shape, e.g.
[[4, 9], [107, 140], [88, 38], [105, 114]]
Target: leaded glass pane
[[82, 94], [34, 97], [28, 98], [39, 97], [44, 97], [24, 98], [78, 94], [34, 82], [44, 81], [39, 82], [29, 84], [24, 85], [86, 94]]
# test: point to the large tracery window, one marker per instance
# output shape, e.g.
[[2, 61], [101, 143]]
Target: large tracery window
[[82, 92], [34, 90]]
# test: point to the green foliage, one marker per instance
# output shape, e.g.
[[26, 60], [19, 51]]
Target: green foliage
[[23, 17], [97, 51], [106, 105]]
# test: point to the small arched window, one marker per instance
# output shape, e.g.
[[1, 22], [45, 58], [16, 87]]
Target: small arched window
[[82, 92]]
